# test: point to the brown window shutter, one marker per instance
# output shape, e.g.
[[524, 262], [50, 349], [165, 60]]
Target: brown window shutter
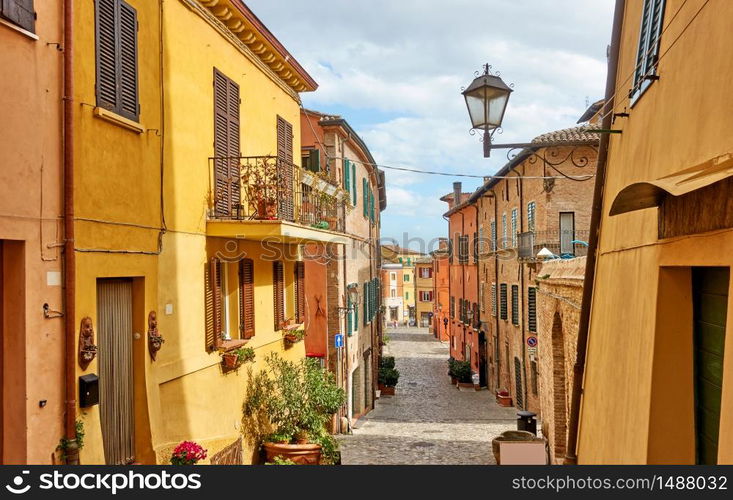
[[128, 97], [300, 291], [278, 286], [19, 12], [216, 293], [246, 298], [285, 155], [226, 145], [210, 337]]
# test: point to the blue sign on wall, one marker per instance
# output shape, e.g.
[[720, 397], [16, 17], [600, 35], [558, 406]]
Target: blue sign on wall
[[338, 340]]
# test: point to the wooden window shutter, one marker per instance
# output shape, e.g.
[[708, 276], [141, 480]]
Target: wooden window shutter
[[106, 47], [19, 12], [128, 62], [347, 176], [278, 286], [314, 160], [246, 298], [515, 304], [366, 303], [226, 146], [300, 291], [117, 64], [349, 316], [364, 199], [285, 155], [214, 304]]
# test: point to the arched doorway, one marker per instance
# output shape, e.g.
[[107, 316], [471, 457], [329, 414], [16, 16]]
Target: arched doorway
[[558, 386]]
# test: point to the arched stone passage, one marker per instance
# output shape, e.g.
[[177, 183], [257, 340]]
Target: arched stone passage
[[558, 386]]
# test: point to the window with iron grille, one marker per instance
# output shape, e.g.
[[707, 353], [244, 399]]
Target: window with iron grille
[[531, 209], [116, 46], [533, 371], [452, 307], [504, 232], [532, 309], [519, 392], [503, 302], [515, 304], [514, 228], [493, 299], [493, 236], [647, 56], [20, 13]]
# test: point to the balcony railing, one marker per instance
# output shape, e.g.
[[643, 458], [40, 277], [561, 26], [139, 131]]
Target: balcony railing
[[271, 188], [562, 244]]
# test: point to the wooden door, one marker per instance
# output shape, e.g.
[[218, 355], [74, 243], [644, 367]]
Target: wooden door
[[114, 306], [710, 309]]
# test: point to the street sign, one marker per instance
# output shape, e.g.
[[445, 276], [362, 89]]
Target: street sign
[[532, 341], [532, 351], [338, 340]]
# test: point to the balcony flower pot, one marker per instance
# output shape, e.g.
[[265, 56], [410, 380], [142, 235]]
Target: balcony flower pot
[[300, 454], [332, 223], [266, 209], [230, 360]]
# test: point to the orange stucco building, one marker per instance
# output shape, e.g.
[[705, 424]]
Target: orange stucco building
[[441, 291], [30, 233]]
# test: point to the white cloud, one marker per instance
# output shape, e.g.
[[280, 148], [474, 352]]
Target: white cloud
[[408, 60]]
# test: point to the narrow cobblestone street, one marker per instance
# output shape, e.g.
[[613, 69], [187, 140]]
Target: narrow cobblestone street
[[428, 420]]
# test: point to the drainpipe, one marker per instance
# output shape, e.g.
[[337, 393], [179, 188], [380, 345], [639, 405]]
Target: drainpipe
[[72, 451], [496, 282], [571, 457]]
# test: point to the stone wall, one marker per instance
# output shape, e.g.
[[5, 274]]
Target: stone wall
[[559, 294]]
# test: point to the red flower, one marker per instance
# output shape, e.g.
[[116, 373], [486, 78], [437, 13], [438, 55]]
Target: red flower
[[187, 453]]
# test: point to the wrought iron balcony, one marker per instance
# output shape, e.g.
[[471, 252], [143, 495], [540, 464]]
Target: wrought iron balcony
[[269, 188], [561, 244]]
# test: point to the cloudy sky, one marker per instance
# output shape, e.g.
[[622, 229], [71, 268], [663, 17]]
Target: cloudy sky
[[394, 70]]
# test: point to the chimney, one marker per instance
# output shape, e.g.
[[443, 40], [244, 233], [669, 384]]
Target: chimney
[[456, 193]]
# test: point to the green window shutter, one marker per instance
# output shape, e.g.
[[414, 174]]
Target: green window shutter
[[353, 182], [314, 160], [347, 175], [356, 316], [349, 317], [366, 303], [364, 199], [371, 206]]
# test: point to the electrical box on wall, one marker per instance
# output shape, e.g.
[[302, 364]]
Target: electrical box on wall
[[88, 390]]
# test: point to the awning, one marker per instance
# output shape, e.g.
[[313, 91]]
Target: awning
[[651, 193]]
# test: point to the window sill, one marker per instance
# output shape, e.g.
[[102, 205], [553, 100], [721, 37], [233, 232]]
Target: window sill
[[230, 345], [118, 120], [20, 30]]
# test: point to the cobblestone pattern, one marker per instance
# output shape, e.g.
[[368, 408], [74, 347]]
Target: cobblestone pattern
[[428, 421]]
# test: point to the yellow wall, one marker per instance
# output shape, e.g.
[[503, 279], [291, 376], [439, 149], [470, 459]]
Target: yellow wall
[[193, 399], [682, 120], [117, 203]]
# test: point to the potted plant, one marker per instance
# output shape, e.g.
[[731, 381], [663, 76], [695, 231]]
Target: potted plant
[[294, 336], [287, 408], [388, 376], [245, 354], [462, 371], [187, 453], [452, 370], [503, 398]]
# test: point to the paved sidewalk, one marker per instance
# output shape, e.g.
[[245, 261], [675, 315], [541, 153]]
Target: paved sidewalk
[[428, 421]]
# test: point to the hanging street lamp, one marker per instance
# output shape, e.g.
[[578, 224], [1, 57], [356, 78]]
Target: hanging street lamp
[[486, 100]]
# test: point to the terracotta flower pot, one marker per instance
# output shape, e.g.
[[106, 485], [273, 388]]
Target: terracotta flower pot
[[266, 209], [465, 385], [504, 400], [510, 436], [387, 391], [230, 360], [300, 454]]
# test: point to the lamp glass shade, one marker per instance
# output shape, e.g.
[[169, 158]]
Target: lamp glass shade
[[486, 99]]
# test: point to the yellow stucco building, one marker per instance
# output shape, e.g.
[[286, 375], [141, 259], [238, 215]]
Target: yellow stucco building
[[658, 385], [190, 224]]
